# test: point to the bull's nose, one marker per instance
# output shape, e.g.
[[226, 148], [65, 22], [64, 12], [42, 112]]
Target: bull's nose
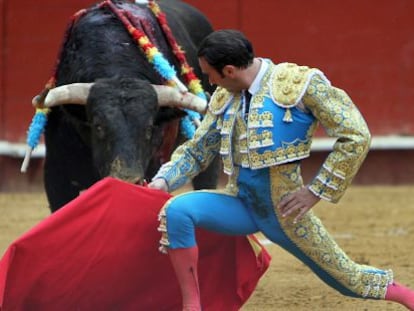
[[130, 179], [141, 182], [134, 180], [132, 174]]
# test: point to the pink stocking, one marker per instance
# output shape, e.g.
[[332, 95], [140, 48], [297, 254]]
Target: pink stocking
[[184, 262], [401, 294]]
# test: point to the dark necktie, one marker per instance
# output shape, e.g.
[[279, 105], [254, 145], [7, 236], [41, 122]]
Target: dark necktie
[[247, 97]]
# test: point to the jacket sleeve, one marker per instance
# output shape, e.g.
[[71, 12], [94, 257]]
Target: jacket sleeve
[[341, 119], [193, 156]]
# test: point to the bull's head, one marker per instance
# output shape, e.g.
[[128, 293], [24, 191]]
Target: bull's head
[[125, 122]]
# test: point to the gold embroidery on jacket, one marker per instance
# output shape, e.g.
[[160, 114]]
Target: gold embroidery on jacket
[[220, 100], [227, 134], [340, 118]]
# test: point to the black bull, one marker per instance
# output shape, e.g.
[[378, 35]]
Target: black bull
[[120, 131]]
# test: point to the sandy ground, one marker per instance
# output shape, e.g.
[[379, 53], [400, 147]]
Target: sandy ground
[[375, 225]]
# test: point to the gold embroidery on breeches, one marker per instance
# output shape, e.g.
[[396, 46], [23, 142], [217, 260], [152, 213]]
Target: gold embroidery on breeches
[[311, 237]]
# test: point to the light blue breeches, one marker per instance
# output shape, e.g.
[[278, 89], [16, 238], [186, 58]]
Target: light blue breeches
[[252, 211]]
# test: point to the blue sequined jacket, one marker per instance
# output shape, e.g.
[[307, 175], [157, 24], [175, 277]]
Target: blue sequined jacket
[[283, 116]]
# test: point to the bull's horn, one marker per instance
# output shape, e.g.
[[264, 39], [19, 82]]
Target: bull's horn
[[75, 93], [169, 96]]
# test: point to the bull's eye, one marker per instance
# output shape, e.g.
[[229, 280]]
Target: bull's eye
[[99, 130], [97, 127]]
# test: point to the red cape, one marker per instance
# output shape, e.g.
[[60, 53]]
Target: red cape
[[100, 252]]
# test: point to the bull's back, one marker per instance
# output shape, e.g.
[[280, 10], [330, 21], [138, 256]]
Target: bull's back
[[195, 22], [99, 46], [189, 26]]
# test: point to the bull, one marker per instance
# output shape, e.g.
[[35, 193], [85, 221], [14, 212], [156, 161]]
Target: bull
[[121, 127]]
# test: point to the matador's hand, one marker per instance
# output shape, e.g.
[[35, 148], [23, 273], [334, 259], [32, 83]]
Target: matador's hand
[[159, 184], [298, 202]]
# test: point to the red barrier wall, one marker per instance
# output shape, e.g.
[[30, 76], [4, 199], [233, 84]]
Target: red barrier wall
[[364, 47], [2, 68], [30, 41]]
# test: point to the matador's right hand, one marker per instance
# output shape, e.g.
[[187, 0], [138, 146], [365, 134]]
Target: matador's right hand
[[298, 202]]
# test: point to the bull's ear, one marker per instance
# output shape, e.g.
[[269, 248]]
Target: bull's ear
[[166, 114]]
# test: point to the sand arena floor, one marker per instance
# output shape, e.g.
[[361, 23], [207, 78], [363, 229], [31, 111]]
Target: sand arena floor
[[375, 225]]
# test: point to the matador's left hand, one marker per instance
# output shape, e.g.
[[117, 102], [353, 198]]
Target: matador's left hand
[[298, 202]]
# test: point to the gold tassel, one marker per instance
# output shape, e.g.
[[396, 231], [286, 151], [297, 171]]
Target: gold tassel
[[288, 116]]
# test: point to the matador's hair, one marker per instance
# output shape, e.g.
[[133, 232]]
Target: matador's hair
[[226, 47]]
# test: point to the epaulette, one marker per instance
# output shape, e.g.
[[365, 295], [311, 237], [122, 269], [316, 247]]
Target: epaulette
[[219, 101], [289, 82]]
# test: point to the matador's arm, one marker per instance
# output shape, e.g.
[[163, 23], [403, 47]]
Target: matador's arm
[[341, 119], [193, 156]]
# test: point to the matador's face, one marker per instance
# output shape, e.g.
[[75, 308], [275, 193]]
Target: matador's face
[[228, 79]]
